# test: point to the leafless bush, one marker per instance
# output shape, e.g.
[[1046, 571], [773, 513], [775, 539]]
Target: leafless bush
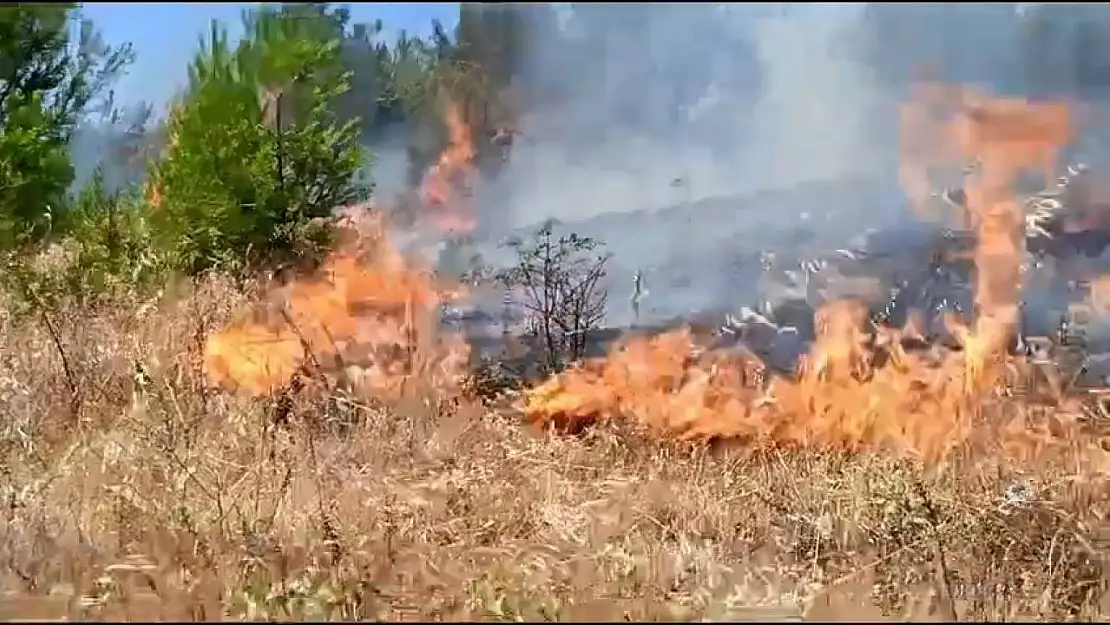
[[564, 301]]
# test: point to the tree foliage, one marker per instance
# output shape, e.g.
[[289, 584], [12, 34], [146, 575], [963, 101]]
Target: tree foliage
[[256, 156], [54, 68]]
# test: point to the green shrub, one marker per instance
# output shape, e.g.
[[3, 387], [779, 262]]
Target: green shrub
[[103, 251], [112, 236]]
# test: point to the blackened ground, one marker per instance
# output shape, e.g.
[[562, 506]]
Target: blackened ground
[[705, 259], [704, 256]]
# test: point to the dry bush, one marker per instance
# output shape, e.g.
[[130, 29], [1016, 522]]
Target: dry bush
[[564, 299]]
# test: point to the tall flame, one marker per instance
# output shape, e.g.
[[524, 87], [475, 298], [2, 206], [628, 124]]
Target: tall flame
[[856, 389], [448, 186]]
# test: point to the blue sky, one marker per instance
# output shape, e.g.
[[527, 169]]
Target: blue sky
[[165, 35]]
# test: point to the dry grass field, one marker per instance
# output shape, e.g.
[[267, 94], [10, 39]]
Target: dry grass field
[[159, 499]]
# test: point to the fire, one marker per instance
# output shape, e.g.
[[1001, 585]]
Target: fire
[[368, 315], [855, 390], [447, 188], [372, 311]]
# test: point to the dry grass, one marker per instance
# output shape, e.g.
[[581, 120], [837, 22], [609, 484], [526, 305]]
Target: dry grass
[[150, 497]]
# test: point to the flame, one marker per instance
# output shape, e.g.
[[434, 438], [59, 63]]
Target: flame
[[447, 188], [153, 193], [853, 391], [367, 313], [152, 190]]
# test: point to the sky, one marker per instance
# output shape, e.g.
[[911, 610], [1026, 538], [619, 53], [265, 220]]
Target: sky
[[166, 34]]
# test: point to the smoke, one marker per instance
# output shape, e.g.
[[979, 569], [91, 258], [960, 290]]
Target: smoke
[[389, 160], [734, 98], [677, 113], [696, 102]]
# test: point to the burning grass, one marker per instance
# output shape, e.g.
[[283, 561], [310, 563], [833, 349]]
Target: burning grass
[[859, 389], [880, 483], [368, 315]]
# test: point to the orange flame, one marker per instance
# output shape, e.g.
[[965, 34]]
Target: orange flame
[[851, 394], [447, 188], [368, 314]]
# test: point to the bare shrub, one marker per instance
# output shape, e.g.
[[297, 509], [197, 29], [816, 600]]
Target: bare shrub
[[564, 300]]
